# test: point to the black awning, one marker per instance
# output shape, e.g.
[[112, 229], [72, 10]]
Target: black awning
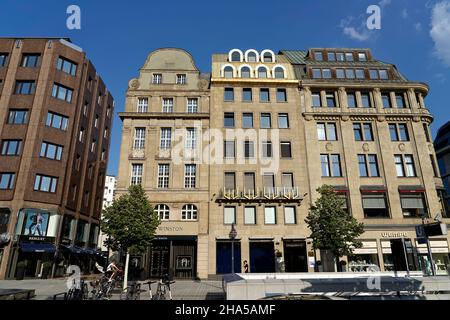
[[369, 189], [406, 189], [37, 247]]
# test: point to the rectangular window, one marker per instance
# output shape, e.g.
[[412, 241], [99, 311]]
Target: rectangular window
[[384, 74], [363, 132], [228, 120], [373, 74], [426, 132], [362, 164], [51, 151], [139, 138], [316, 73], [331, 100], [3, 58], [330, 165], [11, 147], [62, 93], [349, 56], [96, 120], [357, 131], [433, 165], [393, 132], [283, 121], [157, 78], [413, 205], [326, 131], [399, 165], [249, 215], [368, 134], [191, 138], [167, 106], [192, 105], [230, 181], [318, 56], [66, 66], [325, 167], [331, 56], [269, 182], [142, 105], [264, 95], [403, 132], [365, 100], [340, 56], [326, 73], [30, 60], [289, 215], [335, 165], [17, 116], [93, 144], [136, 173], [368, 165], [229, 215], [228, 94], [7, 180], [405, 165], [340, 73], [247, 120], [373, 165], [359, 73], [316, 101], [45, 183], [249, 181], [400, 100], [349, 73], [287, 180], [181, 79], [286, 151], [362, 56], [270, 215], [281, 95], [190, 175], [265, 121], [351, 100], [247, 94], [375, 205], [165, 138], [386, 100], [25, 87], [249, 149], [409, 166], [267, 149], [163, 176], [229, 149]]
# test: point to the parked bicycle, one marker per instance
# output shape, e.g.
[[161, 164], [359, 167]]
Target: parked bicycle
[[78, 292], [131, 292], [163, 291]]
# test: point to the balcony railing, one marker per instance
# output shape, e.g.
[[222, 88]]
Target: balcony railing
[[271, 194]]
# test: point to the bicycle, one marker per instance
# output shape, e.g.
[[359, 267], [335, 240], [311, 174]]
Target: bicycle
[[80, 292], [132, 292], [163, 289]]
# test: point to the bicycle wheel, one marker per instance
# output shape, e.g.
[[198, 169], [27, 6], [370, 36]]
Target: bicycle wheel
[[85, 291]]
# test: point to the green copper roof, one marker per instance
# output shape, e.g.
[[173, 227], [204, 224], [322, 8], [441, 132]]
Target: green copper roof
[[295, 56]]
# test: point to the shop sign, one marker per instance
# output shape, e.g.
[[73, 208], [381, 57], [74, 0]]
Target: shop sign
[[170, 228], [394, 235], [37, 239]]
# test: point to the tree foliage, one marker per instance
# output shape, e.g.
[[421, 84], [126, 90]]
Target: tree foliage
[[130, 221], [332, 228]]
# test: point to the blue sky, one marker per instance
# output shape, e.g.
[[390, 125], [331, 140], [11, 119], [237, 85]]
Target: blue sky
[[118, 35]]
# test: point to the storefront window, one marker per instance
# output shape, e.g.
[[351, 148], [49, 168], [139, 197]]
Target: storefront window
[[363, 262], [93, 234], [81, 228], [4, 219], [35, 223], [67, 227]]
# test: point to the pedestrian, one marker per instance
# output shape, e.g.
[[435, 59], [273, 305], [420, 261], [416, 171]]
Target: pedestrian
[[245, 266]]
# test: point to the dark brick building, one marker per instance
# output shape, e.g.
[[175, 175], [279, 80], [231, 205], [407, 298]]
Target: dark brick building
[[55, 127]]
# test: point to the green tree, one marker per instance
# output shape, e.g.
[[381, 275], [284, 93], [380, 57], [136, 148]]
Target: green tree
[[332, 228], [130, 222]]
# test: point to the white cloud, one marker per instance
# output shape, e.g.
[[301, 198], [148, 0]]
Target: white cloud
[[440, 30], [404, 13], [384, 3], [418, 26], [356, 35]]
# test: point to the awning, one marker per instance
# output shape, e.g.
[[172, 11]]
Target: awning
[[407, 189], [38, 247], [72, 249], [369, 189], [340, 189]]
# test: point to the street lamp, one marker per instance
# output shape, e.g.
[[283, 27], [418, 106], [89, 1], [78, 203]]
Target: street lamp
[[233, 235]]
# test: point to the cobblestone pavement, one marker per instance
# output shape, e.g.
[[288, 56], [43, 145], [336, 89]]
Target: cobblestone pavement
[[181, 290]]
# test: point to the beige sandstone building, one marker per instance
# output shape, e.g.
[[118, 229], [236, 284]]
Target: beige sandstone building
[[250, 143]]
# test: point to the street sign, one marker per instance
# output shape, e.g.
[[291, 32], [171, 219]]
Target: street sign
[[420, 232]]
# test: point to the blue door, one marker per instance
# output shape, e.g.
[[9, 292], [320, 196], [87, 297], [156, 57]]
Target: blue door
[[262, 257], [223, 257]]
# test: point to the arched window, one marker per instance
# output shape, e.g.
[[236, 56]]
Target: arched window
[[235, 56], [189, 212], [251, 57], [279, 73], [228, 72], [162, 211], [267, 57], [262, 72], [245, 72]]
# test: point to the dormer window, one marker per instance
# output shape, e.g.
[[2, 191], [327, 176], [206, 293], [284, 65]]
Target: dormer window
[[235, 56], [349, 56], [362, 56], [279, 73], [157, 78], [181, 79], [331, 56], [245, 72], [251, 57], [228, 72], [340, 56], [268, 57], [318, 56]]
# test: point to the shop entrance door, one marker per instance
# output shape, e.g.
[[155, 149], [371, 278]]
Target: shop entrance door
[[402, 255], [262, 256], [223, 257], [295, 256], [159, 259], [184, 258]]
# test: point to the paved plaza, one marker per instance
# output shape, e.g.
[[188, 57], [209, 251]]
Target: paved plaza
[[181, 290]]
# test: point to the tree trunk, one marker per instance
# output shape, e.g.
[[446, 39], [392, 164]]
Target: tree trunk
[[125, 276], [338, 265]]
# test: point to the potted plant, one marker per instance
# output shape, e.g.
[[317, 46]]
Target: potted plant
[[20, 270], [46, 269]]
